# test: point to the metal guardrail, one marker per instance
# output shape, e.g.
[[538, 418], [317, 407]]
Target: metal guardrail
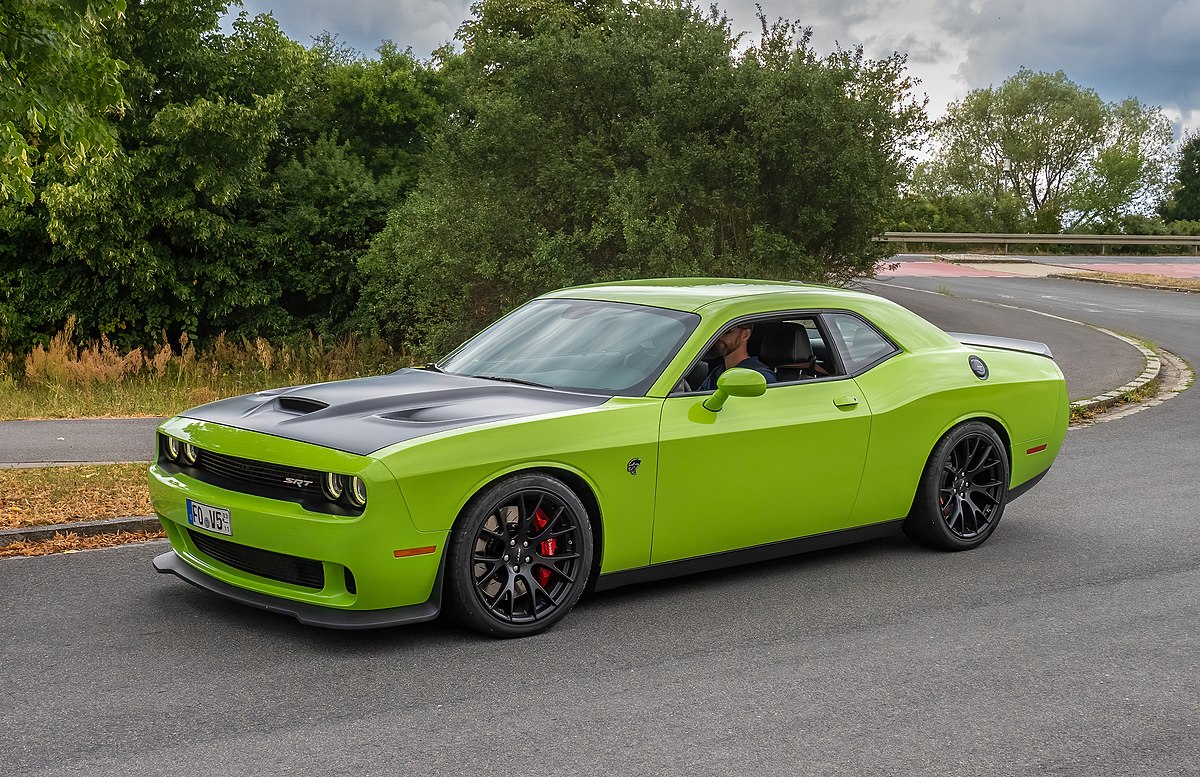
[[1005, 239]]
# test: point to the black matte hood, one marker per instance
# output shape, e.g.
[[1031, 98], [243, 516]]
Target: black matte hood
[[363, 415]]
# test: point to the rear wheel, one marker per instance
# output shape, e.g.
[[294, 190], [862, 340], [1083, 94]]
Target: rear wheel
[[520, 555], [963, 489]]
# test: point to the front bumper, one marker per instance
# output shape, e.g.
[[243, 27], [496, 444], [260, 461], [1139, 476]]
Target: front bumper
[[331, 570], [308, 614]]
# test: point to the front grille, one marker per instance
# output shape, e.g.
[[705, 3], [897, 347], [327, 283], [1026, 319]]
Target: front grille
[[305, 485], [264, 563], [260, 478]]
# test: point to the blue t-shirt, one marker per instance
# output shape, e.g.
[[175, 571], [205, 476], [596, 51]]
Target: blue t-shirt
[[749, 363]]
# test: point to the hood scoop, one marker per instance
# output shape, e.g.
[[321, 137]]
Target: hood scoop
[[300, 405], [367, 414], [467, 409]]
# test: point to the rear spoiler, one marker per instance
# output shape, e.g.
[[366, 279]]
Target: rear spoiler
[[1004, 343]]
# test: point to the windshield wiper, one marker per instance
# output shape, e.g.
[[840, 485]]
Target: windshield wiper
[[506, 379]]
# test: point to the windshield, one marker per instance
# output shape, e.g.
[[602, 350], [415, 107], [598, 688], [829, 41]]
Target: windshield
[[583, 345]]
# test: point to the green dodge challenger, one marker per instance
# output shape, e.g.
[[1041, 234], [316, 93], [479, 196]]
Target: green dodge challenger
[[599, 436]]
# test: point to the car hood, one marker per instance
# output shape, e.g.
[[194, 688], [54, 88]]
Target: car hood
[[363, 415]]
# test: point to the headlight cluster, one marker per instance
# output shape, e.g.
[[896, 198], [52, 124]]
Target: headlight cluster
[[181, 452], [336, 488]]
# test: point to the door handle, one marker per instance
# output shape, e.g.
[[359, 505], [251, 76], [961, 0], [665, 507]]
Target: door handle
[[846, 401]]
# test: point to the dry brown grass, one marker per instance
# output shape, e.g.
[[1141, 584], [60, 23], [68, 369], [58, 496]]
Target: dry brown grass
[[46, 496], [71, 543], [1191, 284], [96, 379]]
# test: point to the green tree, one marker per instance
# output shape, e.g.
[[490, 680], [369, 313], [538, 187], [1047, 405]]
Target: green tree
[[248, 176], [640, 144], [385, 108], [323, 211], [1183, 204], [1073, 160], [154, 237], [925, 206], [58, 82]]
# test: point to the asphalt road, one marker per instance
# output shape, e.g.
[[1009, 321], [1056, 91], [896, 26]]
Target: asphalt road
[[1093, 362], [1069, 644], [77, 440]]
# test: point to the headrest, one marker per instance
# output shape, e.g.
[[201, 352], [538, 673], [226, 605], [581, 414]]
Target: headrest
[[784, 343]]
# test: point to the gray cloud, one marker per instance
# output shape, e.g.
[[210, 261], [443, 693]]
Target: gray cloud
[[363, 24], [1148, 49]]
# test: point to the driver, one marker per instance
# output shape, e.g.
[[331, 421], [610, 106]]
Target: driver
[[732, 347]]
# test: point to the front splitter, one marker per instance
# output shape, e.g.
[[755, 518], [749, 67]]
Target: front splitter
[[308, 614]]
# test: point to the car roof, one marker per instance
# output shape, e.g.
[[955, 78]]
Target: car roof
[[691, 294], [725, 299]]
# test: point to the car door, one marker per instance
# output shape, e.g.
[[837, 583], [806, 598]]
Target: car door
[[782, 465]]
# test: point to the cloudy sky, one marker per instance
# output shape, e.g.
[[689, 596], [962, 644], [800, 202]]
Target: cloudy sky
[[1121, 48]]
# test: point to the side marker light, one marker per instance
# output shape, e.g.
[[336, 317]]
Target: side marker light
[[414, 551], [1038, 449]]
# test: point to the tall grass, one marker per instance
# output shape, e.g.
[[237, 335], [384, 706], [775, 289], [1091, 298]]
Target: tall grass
[[64, 379]]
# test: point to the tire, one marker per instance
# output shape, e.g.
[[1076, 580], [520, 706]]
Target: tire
[[963, 489], [520, 555]]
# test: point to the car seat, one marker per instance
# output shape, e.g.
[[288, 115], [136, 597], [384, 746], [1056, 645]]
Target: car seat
[[786, 349]]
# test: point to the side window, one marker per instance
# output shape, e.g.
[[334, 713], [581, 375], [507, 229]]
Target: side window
[[791, 348], [863, 345]]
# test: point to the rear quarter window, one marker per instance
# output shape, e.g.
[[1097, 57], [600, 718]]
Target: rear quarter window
[[862, 344]]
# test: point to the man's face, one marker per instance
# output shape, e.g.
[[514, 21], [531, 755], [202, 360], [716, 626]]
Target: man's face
[[731, 341]]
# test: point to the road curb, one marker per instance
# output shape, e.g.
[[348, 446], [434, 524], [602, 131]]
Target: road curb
[[48, 464], [1150, 375], [144, 523], [1127, 284]]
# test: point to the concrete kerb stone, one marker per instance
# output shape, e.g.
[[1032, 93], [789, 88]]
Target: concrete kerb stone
[[146, 523], [48, 464], [1129, 284], [1149, 375], [1175, 377]]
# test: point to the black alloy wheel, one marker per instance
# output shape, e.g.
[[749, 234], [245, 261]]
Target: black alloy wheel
[[520, 556], [963, 489]]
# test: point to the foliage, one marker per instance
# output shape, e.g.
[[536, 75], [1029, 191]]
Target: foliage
[[634, 140], [1184, 201], [57, 84], [1070, 158], [384, 108], [926, 207], [248, 176]]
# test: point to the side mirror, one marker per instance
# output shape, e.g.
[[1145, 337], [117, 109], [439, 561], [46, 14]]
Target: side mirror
[[736, 382]]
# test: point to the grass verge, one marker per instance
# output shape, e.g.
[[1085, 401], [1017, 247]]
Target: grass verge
[[97, 379], [45, 496], [1142, 279]]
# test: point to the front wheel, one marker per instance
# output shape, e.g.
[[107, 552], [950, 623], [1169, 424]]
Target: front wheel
[[963, 489], [520, 555]]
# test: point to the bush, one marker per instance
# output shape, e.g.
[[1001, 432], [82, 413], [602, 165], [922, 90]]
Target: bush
[[638, 143]]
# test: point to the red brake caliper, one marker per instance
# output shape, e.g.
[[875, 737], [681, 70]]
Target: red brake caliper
[[547, 548]]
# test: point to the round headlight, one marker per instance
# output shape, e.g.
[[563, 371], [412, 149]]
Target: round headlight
[[190, 454], [173, 448], [333, 485], [358, 492]]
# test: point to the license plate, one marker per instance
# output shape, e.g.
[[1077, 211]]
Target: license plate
[[210, 518]]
